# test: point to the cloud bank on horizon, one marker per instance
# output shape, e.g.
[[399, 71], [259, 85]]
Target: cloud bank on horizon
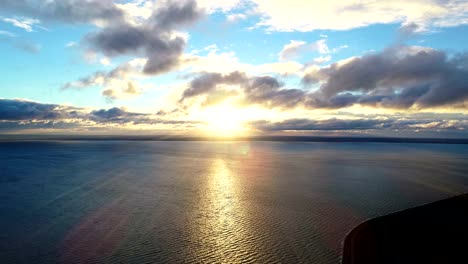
[[276, 67]]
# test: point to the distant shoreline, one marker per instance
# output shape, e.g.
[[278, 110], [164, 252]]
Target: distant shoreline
[[10, 138]]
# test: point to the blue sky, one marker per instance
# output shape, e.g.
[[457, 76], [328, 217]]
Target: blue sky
[[234, 67]]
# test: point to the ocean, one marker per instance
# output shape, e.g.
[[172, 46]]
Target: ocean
[[123, 201]]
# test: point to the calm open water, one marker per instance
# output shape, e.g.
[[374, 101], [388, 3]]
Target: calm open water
[[208, 202]]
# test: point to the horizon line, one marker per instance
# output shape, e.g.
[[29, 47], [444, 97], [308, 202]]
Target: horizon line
[[363, 139]]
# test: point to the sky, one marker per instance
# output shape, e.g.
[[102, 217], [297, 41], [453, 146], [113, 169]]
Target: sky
[[234, 67]]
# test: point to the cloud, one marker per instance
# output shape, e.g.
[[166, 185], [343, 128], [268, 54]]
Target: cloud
[[223, 6], [28, 110], [117, 115], [321, 59], [407, 31], [22, 22], [330, 124], [362, 124], [401, 77], [263, 90], [295, 48], [155, 38], [269, 92], [69, 11], [397, 77], [291, 50], [236, 17], [71, 44], [227, 62], [173, 15], [105, 61], [298, 15], [121, 82], [17, 115], [207, 82], [23, 115]]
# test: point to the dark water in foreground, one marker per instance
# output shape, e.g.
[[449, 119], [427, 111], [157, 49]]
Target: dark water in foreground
[[208, 202]]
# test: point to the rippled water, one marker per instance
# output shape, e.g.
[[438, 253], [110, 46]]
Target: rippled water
[[208, 202]]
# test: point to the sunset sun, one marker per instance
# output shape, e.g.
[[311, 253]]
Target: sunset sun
[[225, 121]]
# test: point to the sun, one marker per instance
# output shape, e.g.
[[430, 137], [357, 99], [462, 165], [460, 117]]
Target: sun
[[225, 121]]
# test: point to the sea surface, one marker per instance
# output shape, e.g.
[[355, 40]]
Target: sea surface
[[208, 202]]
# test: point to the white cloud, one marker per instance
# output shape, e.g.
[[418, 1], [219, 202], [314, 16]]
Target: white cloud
[[120, 83], [227, 62], [295, 48], [105, 61], [223, 62], [291, 50], [22, 22], [321, 46], [299, 15], [321, 59], [137, 11], [71, 44], [211, 48], [335, 50], [236, 17], [223, 5]]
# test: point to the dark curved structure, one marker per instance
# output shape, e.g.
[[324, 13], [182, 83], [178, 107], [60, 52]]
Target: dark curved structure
[[431, 233]]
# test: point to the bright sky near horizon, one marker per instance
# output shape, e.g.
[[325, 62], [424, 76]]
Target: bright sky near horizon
[[234, 67]]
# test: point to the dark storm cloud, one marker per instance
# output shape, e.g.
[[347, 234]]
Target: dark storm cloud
[[396, 77], [69, 11], [153, 39]]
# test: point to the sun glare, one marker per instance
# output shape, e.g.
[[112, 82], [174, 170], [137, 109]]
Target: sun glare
[[225, 121]]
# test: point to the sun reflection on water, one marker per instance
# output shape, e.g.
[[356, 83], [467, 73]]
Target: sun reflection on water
[[222, 226], [223, 195]]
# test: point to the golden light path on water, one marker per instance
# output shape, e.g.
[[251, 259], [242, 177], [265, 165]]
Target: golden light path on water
[[222, 228]]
